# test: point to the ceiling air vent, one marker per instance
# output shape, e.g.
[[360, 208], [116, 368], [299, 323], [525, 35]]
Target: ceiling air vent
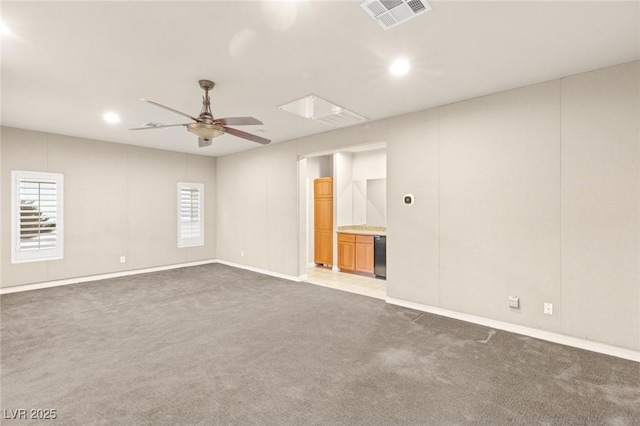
[[391, 13], [315, 108]]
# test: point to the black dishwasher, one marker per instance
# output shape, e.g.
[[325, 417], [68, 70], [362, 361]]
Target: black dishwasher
[[380, 256]]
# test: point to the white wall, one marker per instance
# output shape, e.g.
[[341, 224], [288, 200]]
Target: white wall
[[600, 205], [413, 232], [499, 205], [531, 192], [376, 202], [370, 164], [359, 204], [343, 188], [321, 166], [119, 200], [245, 197], [257, 209], [369, 170]]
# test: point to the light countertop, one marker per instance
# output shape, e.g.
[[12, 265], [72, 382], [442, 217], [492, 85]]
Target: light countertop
[[362, 230]]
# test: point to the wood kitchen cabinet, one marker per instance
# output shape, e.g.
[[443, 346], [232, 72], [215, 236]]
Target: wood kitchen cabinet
[[355, 253], [347, 252], [323, 221], [364, 254]]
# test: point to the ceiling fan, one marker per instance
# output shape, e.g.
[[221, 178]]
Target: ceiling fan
[[206, 127]]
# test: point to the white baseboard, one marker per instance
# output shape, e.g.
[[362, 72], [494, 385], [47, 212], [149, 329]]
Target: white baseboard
[[57, 283], [77, 280], [500, 325], [259, 270], [526, 331]]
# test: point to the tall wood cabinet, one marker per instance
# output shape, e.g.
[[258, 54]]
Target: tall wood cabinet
[[323, 220]]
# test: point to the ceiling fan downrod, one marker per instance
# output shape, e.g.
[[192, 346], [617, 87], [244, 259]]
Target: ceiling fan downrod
[[206, 115]]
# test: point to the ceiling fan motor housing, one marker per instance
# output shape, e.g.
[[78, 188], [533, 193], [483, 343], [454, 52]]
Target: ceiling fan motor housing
[[206, 84]]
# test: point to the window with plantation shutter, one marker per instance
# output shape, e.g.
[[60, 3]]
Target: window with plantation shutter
[[190, 214], [36, 216]]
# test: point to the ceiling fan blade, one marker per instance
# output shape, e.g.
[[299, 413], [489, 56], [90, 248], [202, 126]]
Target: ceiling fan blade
[[170, 109], [158, 127], [245, 135], [238, 121]]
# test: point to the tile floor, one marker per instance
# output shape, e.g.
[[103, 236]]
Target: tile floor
[[366, 286]]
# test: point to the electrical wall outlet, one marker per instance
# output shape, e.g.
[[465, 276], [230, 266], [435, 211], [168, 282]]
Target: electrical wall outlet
[[514, 302], [242, 253], [548, 308], [123, 259]]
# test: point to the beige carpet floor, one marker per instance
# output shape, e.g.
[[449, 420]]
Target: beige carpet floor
[[216, 345]]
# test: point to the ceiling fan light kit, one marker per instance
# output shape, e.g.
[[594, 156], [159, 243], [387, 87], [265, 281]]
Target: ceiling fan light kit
[[205, 131], [206, 127]]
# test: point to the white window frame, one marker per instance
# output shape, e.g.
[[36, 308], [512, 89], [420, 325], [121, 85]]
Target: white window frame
[[185, 241], [22, 256]]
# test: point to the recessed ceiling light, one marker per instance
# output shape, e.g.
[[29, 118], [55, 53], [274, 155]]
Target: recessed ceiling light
[[111, 117], [399, 67], [4, 30]]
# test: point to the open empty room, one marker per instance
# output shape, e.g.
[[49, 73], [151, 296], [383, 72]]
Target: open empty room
[[320, 213]]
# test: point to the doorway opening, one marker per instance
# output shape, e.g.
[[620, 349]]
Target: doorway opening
[[358, 179]]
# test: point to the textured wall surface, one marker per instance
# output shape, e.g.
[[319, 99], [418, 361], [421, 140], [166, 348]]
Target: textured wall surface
[[532, 192], [119, 200]]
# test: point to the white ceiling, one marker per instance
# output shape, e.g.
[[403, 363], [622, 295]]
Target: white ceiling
[[67, 63]]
